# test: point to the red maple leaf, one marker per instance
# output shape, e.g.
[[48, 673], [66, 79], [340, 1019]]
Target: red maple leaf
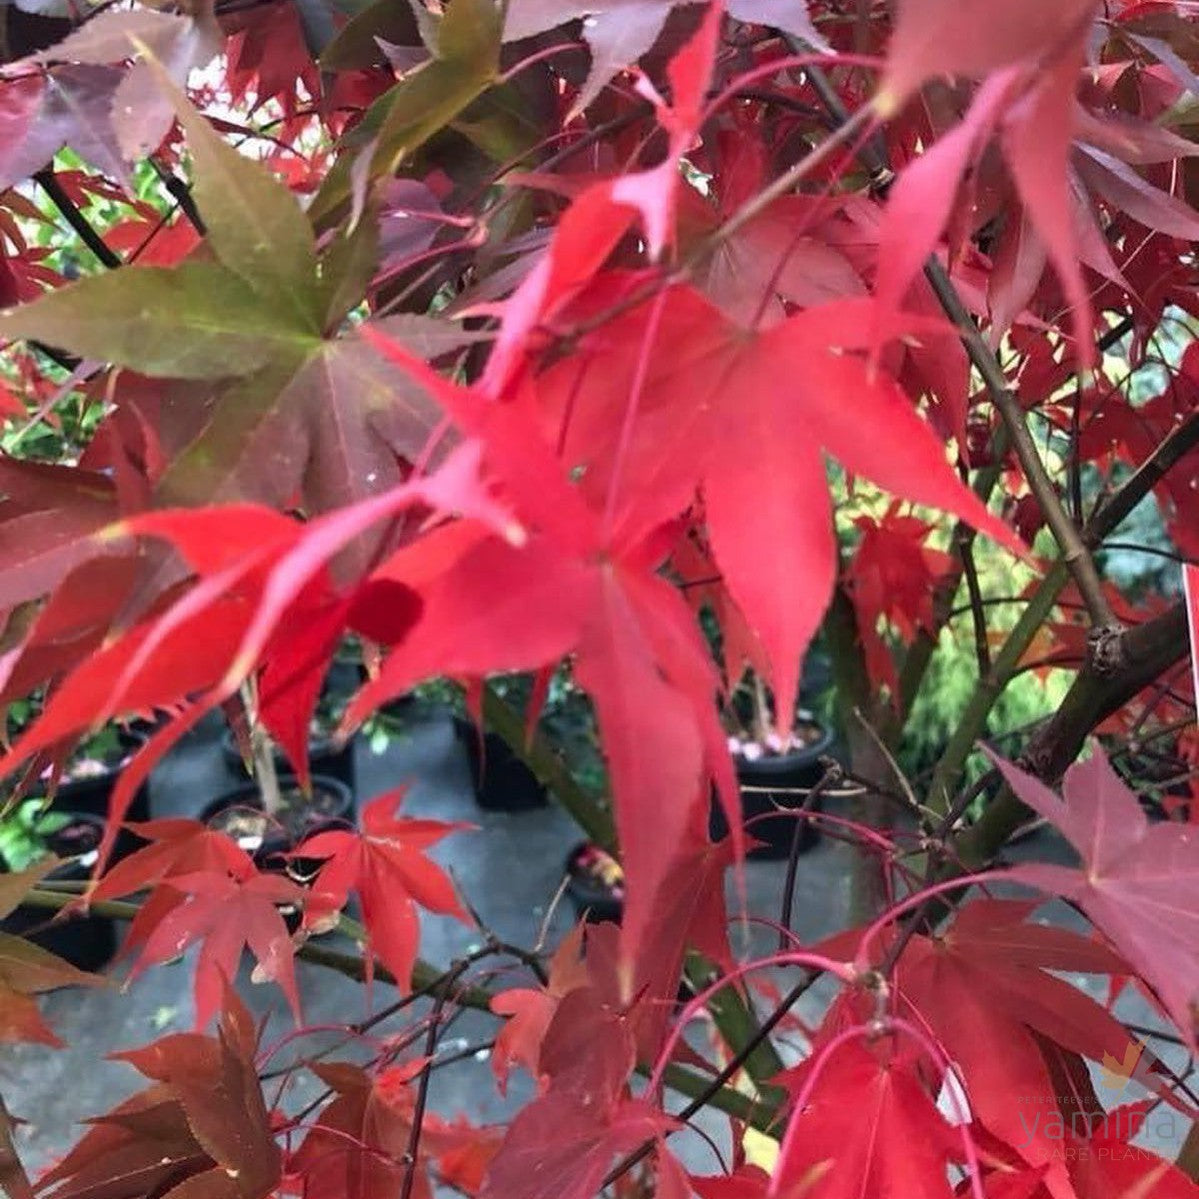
[[1139, 883], [386, 865], [357, 1146], [176, 847], [561, 1146], [869, 1127], [268, 57], [567, 588], [530, 1010], [201, 1130], [1032, 76], [227, 914], [991, 979], [989, 982], [464, 1154], [749, 419], [893, 575], [355, 1149], [893, 572]]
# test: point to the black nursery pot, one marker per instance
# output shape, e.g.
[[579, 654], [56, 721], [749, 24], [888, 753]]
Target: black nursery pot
[[90, 794], [791, 773], [325, 757], [87, 942], [503, 783], [595, 899], [239, 813]]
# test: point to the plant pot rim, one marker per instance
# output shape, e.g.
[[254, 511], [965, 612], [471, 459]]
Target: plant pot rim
[[804, 755], [244, 794], [287, 778], [130, 738]]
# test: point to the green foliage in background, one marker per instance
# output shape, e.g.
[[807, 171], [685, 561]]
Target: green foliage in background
[[25, 830]]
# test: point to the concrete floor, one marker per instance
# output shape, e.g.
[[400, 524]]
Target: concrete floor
[[509, 870]]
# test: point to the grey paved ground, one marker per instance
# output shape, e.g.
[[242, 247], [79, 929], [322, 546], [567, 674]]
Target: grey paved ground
[[509, 870]]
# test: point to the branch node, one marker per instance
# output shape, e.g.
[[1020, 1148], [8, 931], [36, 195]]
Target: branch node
[[1106, 652]]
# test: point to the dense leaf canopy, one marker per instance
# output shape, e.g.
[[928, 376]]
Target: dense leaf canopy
[[652, 350]]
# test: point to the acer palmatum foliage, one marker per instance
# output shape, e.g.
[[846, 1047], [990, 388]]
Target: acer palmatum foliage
[[552, 336]]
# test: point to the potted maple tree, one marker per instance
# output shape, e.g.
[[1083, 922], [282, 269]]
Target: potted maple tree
[[502, 781], [779, 774], [272, 813]]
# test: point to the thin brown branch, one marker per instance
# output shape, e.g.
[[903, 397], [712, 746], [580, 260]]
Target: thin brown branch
[[1176, 445], [1152, 551], [182, 195], [730, 1070], [1074, 551], [831, 776], [965, 547], [422, 1092]]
